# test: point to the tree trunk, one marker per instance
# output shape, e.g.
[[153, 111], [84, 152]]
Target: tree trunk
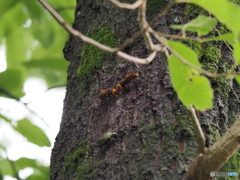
[[144, 132]]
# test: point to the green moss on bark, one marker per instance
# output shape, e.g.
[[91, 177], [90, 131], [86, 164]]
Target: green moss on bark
[[74, 159], [232, 165], [155, 6], [92, 57], [210, 56], [192, 10]]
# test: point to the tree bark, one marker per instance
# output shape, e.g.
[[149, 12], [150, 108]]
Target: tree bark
[[144, 132]]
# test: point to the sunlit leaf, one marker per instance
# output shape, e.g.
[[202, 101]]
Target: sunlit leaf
[[5, 118], [43, 31], [225, 11], [65, 9], [202, 25], [53, 71], [191, 87], [38, 177], [236, 51], [18, 45], [32, 132], [11, 83], [47, 63], [13, 19], [34, 9], [23, 163], [237, 78], [6, 5], [5, 168]]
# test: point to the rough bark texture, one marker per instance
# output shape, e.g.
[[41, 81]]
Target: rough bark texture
[[154, 136], [219, 154]]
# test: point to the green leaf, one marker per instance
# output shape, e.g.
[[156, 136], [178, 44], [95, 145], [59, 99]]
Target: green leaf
[[202, 25], [5, 6], [191, 87], [44, 32], [38, 177], [5, 168], [18, 44], [237, 78], [35, 10], [32, 132], [11, 83], [7, 25], [225, 11], [23, 163], [236, 52], [52, 70], [47, 63], [5, 119]]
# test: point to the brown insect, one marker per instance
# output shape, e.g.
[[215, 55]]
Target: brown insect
[[119, 87]]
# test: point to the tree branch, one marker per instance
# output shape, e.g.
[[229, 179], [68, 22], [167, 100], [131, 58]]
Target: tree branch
[[143, 24], [8, 94], [65, 8], [184, 61], [217, 155], [198, 130], [139, 33], [84, 38], [126, 5]]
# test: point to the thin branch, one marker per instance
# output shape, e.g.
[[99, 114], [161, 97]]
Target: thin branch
[[143, 24], [223, 40], [65, 8], [139, 33], [126, 5], [198, 130], [217, 155], [173, 36], [84, 38], [184, 61], [137, 60], [8, 94], [13, 166]]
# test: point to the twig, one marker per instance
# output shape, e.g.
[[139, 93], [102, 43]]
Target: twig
[[126, 5], [139, 33], [184, 61], [223, 40], [143, 24], [13, 166], [137, 60], [217, 155], [198, 130], [8, 94], [65, 8], [84, 38]]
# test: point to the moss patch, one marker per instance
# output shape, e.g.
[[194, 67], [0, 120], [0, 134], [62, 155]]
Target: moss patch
[[232, 165], [91, 57], [184, 124], [74, 159], [210, 57], [155, 6]]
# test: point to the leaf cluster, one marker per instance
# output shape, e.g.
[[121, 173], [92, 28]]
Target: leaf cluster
[[187, 74], [33, 43]]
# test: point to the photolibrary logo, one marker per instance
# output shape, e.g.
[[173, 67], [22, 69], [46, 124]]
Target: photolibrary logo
[[212, 174]]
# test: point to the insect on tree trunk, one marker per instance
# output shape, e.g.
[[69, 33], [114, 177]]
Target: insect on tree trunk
[[136, 128]]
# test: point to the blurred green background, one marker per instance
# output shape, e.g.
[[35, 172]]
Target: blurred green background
[[32, 73]]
